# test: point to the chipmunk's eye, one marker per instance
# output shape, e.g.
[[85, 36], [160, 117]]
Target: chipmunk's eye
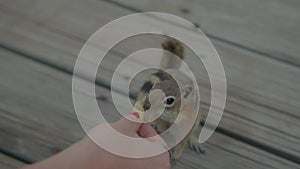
[[169, 101]]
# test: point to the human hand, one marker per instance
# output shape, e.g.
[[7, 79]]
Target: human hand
[[87, 154]]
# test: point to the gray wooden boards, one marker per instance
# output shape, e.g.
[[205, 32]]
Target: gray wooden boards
[[38, 120], [262, 104], [268, 27]]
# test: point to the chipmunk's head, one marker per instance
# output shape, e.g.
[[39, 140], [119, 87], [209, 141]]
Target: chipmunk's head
[[171, 102]]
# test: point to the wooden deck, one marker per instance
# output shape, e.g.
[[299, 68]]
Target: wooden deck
[[258, 42]]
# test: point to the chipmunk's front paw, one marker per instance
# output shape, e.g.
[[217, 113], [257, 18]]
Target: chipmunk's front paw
[[196, 146]]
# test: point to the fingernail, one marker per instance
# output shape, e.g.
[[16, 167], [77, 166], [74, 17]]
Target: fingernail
[[136, 114]]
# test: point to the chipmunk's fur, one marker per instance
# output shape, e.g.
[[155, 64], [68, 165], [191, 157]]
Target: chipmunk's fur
[[164, 81]]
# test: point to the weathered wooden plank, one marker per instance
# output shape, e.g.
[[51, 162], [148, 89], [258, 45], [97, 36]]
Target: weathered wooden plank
[[258, 100], [271, 30], [7, 162], [32, 93], [223, 160], [38, 119], [268, 27], [101, 19], [245, 100]]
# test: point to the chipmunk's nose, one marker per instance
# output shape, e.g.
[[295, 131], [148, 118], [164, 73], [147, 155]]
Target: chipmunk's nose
[[146, 105]]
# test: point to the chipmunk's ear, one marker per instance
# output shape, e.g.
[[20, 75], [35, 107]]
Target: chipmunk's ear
[[187, 90]]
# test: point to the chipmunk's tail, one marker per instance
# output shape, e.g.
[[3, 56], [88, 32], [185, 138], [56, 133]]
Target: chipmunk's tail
[[169, 61]]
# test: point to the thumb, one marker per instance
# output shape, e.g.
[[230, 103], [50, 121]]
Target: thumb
[[128, 125], [146, 131]]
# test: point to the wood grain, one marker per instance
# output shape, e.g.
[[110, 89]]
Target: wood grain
[[38, 120], [266, 27], [260, 106]]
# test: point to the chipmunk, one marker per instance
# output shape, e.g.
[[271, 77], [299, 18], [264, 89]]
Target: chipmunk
[[166, 83]]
